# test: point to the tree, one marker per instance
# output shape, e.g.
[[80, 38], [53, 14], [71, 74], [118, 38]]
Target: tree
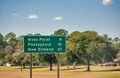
[[8, 58], [50, 58], [10, 39], [16, 58], [85, 42], [118, 57], [1, 58], [2, 46], [73, 54], [9, 49], [18, 55], [107, 39], [2, 43], [81, 44], [62, 32], [9, 43], [105, 51], [116, 40], [100, 53], [116, 46], [35, 59], [25, 59]]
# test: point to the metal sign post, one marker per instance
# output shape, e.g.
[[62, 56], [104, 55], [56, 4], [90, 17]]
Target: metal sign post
[[31, 65], [58, 65], [20, 64]]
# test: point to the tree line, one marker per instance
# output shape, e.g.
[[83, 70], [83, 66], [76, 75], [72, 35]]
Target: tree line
[[83, 48]]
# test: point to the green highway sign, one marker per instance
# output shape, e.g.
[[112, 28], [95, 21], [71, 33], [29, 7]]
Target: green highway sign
[[44, 44]]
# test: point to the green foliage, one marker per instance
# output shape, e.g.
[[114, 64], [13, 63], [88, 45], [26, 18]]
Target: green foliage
[[87, 46], [11, 39], [61, 32], [8, 58], [82, 48]]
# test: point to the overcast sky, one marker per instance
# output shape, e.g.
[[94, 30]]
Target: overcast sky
[[46, 16]]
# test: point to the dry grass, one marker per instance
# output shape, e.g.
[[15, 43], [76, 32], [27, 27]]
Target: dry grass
[[79, 72]]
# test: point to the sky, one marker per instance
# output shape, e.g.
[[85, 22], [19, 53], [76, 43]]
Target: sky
[[46, 16]]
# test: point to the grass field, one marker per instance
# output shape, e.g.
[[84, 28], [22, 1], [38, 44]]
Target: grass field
[[79, 72]]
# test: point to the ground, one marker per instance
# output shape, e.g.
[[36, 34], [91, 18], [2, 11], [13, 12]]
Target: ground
[[43, 72]]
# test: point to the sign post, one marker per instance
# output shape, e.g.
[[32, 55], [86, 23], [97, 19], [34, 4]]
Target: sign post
[[58, 65], [45, 45], [31, 65]]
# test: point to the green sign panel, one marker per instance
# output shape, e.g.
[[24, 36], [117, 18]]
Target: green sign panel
[[44, 44]]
